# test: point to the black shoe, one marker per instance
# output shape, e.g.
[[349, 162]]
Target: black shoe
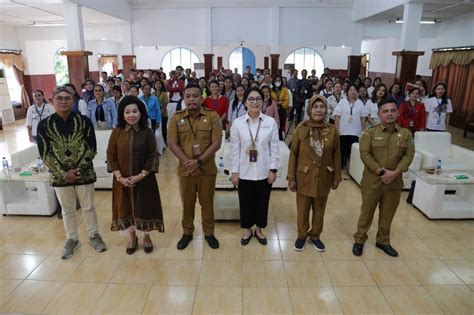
[[148, 247], [184, 241], [358, 249], [212, 241], [318, 245], [388, 249], [299, 244], [131, 250], [245, 241], [262, 241]]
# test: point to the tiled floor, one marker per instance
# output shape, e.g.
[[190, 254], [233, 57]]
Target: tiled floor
[[434, 273]]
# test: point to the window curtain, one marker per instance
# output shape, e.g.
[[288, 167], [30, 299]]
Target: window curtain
[[456, 70], [15, 60]]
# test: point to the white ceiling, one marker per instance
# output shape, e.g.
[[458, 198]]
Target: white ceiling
[[440, 10], [24, 13], [149, 4]]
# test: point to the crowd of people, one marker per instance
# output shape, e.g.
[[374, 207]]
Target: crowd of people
[[256, 111]]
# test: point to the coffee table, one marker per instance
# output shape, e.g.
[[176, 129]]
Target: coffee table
[[430, 194]]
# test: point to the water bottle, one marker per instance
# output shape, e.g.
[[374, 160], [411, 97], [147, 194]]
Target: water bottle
[[40, 165], [221, 164], [438, 168], [6, 167]]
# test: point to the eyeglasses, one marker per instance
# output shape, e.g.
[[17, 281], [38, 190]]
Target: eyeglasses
[[63, 98], [254, 99], [99, 90]]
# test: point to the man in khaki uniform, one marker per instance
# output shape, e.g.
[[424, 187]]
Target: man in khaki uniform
[[194, 136], [387, 151]]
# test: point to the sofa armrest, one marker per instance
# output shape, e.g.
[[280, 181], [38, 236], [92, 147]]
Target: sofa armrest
[[464, 155], [428, 159]]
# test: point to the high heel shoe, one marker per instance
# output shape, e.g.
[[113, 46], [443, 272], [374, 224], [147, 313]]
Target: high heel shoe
[[131, 250]]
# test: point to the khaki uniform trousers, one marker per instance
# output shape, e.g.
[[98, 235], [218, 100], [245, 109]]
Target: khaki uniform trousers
[[387, 200], [304, 204], [68, 197], [202, 187]]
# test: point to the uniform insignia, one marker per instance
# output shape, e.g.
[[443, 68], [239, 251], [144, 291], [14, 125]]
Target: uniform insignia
[[204, 120], [181, 122]]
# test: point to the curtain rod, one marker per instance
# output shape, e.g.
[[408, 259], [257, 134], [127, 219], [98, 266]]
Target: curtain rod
[[461, 48]]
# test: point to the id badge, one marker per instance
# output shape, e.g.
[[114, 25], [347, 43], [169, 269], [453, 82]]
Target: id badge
[[411, 123], [350, 120], [253, 155], [196, 150]]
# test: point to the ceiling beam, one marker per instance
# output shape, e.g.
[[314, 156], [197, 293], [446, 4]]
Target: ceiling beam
[[116, 8]]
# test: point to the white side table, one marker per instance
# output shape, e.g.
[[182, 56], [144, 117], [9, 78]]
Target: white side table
[[430, 198]]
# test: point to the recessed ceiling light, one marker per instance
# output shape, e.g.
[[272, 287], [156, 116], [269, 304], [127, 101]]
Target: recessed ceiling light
[[141, 46], [103, 38], [343, 46], [36, 24]]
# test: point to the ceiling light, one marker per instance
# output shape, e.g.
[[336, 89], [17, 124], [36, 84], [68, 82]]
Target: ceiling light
[[343, 46], [103, 38], [141, 46], [36, 24], [398, 21]]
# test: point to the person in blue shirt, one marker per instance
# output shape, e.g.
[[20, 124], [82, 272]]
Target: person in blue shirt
[[102, 111], [395, 93], [152, 107]]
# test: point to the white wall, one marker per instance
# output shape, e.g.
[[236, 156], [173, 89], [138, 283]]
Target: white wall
[[8, 37], [458, 32]]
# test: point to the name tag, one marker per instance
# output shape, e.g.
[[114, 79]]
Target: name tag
[[378, 138], [181, 122]]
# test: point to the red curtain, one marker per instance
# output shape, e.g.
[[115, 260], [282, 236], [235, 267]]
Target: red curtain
[[460, 82], [25, 100]]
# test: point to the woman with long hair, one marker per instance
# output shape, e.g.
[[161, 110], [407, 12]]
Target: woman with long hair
[[438, 108]]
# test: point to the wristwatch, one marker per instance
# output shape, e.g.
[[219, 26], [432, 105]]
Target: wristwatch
[[274, 170], [199, 161], [381, 173]]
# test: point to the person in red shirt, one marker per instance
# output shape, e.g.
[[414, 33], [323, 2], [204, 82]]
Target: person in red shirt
[[175, 86], [412, 114], [219, 103]]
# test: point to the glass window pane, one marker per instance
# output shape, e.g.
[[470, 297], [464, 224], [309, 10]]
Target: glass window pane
[[236, 60], [179, 57], [306, 58]]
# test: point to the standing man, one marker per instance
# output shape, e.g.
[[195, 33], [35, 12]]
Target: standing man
[[103, 79], [387, 151], [304, 90], [66, 143], [134, 79], [194, 136]]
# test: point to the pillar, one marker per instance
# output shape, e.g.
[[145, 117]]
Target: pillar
[[78, 66], [266, 61], [208, 64], [219, 63], [128, 62], [405, 69], [274, 62], [411, 26], [74, 27], [354, 66]]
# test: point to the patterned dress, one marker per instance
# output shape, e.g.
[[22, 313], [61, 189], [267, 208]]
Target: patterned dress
[[132, 150]]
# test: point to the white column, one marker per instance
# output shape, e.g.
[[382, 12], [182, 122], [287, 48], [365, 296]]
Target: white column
[[74, 27], [411, 25], [275, 30], [208, 30], [357, 30]]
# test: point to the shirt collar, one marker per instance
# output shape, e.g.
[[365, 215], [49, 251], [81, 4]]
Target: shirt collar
[[135, 128], [396, 128], [187, 114], [247, 116], [56, 117]]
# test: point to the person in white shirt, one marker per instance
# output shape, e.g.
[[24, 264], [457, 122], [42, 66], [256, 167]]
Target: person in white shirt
[[333, 100], [371, 89], [349, 116], [438, 109], [372, 107], [36, 112], [255, 157], [237, 107]]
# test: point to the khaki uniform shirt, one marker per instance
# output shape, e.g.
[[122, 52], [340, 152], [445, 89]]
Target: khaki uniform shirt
[[314, 174], [380, 147], [200, 130]]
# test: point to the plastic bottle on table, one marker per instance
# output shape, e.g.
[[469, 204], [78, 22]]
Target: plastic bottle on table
[[438, 167], [6, 167], [221, 165], [40, 165]]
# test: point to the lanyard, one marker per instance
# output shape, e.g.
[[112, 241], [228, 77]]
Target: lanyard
[[42, 110], [191, 125], [238, 109], [254, 140], [351, 105], [215, 103]]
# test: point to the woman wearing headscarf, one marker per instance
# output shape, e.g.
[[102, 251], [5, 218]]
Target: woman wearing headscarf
[[313, 169]]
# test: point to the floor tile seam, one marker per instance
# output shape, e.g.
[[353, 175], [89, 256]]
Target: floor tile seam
[[424, 290]]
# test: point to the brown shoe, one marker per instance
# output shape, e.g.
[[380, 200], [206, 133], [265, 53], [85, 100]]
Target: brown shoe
[[131, 250]]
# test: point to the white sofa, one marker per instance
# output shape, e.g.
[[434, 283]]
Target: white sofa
[[356, 167], [433, 146], [104, 178]]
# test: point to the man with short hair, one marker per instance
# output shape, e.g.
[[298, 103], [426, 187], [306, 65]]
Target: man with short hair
[[134, 79], [67, 145], [194, 136], [387, 151], [103, 79], [303, 91]]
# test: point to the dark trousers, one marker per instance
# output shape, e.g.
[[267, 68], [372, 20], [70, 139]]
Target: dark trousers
[[282, 115], [346, 144], [164, 128], [299, 112], [153, 125], [254, 197]]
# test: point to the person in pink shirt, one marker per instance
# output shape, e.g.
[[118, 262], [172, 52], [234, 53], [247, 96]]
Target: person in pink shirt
[[269, 106]]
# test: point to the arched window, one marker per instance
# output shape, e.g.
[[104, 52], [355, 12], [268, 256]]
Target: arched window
[[179, 57], [306, 58], [60, 68], [240, 58]]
